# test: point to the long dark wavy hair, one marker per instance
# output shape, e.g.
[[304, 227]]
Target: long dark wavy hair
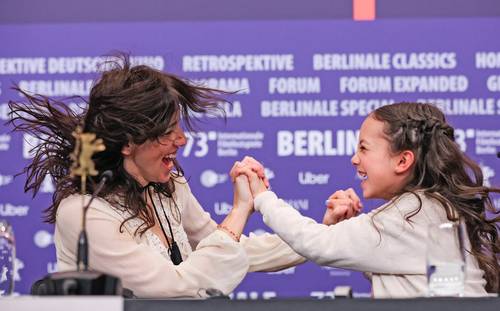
[[443, 172], [126, 104]]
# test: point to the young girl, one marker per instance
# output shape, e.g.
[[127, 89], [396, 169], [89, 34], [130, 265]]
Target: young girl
[[406, 155]]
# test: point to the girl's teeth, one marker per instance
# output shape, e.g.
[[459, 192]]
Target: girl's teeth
[[362, 176]]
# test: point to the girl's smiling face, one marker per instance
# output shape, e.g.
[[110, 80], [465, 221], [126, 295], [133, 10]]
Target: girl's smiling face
[[376, 165]]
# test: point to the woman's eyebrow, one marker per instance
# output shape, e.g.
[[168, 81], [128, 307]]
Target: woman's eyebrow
[[172, 125]]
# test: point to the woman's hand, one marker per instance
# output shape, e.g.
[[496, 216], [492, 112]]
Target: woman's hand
[[342, 205], [242, 196], [254, 165], [257, 184], [235, 221]]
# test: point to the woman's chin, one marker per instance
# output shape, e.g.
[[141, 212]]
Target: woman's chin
[[166, 178], [160, 179], [163, 180]]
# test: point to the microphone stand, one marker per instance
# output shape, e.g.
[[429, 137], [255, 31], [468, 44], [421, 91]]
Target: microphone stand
[[82, 259], [82, 281]]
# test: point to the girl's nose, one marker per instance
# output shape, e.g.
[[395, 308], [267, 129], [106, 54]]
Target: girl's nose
[[355, 159]]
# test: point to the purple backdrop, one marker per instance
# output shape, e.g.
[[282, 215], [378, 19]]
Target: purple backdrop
[[305, 88]]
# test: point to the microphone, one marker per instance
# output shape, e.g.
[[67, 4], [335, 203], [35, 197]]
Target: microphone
[[82, 258], [82, 281], [498, 154]]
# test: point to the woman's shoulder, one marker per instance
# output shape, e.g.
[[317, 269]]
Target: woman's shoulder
[[181, 187], [75, 203], [180, 181], [82, 200]]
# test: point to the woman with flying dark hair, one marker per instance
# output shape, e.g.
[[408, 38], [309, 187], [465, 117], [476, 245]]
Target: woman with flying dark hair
[[406, 155], [146, 227]]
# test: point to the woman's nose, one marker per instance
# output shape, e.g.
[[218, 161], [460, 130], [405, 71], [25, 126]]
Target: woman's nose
[[180, 139]]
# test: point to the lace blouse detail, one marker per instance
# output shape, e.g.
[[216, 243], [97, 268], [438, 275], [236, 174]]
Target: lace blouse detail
[[174, 216]]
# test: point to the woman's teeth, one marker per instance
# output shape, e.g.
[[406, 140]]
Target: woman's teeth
[[167, 159]]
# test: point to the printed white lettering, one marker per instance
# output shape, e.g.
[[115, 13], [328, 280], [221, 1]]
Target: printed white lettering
[[316, 143], [365, 84], [294, 85], [230, 63]]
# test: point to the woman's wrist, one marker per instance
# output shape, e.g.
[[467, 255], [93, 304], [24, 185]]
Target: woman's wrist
[[242, 210], [231, 233]]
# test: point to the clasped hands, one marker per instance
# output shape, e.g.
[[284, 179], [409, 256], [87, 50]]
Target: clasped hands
[[249, 180]]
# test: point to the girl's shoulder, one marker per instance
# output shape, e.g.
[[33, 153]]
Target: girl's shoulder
[[412, 203]]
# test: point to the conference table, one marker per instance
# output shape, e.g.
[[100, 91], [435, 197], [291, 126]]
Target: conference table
[[98, 303], [344, 304]]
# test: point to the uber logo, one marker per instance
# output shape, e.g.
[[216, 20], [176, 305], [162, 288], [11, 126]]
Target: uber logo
[[309, 178], [7, 209], [222, 208]]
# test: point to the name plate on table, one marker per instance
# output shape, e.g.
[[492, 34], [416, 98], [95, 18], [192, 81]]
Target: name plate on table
[[61, 303]]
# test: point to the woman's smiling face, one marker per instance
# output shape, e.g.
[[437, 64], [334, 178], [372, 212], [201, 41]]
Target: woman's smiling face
[[153, 160]]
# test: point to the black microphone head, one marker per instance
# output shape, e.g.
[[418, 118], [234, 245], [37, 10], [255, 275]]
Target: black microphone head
[[107, 175]]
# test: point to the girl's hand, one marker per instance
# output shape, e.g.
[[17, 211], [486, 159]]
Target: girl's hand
[[342, 205]]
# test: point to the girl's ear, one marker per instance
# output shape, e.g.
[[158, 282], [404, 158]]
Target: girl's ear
[[405, 161], [127, 149]]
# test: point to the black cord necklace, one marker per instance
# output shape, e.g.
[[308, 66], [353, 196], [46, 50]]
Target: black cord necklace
[[175, 253]]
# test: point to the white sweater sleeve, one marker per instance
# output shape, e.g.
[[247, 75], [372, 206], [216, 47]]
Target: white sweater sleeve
[[218, 261], [196, 221], [391, 246], [265, 252], [269, 252]]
